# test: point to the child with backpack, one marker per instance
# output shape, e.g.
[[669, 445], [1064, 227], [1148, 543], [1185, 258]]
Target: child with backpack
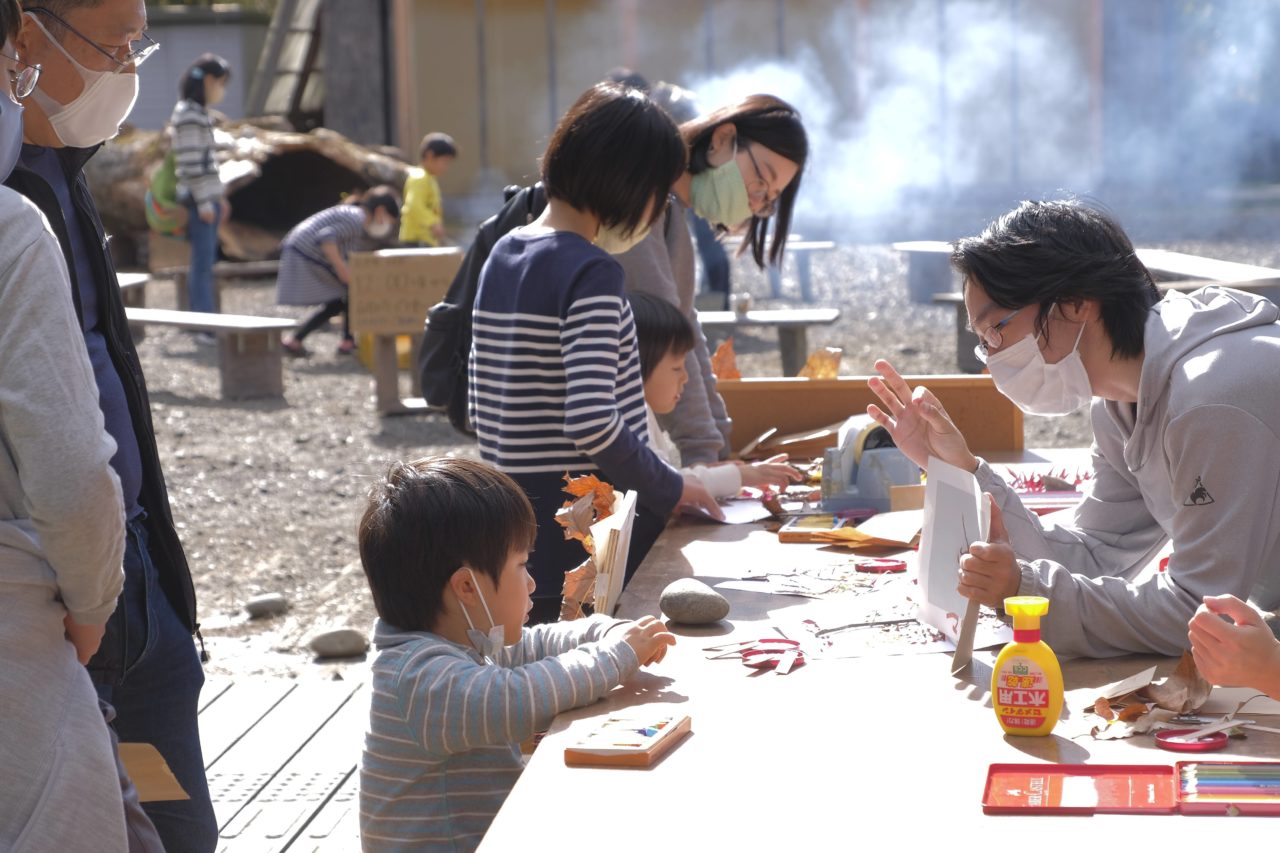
[[555, 384]]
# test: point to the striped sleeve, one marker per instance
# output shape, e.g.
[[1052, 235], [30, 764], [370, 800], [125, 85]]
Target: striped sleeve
[[193, 149], [604, 400], [453, 705]]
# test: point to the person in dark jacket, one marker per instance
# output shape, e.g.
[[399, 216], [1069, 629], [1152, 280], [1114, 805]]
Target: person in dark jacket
[[147, 666]]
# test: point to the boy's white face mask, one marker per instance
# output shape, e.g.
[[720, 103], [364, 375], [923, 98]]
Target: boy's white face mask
[[490, 644]]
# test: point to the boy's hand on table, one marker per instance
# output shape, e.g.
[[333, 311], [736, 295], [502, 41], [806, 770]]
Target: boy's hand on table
[[989, 573], [86, 638], [772, 472], [649, 638], [1241, 652]]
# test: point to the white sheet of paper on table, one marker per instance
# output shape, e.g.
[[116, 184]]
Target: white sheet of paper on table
[[955, 516], [1225, 700]]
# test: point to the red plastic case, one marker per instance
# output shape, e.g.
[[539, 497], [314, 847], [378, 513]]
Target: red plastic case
[[1086, 789]]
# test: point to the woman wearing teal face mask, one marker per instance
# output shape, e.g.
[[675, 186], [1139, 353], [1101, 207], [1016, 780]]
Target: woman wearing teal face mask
[[745, 163]]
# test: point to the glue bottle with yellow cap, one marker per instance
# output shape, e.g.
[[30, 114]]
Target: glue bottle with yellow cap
[[1026, 687]]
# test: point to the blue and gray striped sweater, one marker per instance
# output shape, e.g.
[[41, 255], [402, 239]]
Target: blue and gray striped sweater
[[443, 747]]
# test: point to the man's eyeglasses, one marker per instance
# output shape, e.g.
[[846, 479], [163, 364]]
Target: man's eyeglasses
[[759, 190], [992, 337], [131, 54], [25, 78]]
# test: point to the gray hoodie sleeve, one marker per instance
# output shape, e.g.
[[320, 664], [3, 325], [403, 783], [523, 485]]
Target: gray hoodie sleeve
[[51, 426], [1100, 604]]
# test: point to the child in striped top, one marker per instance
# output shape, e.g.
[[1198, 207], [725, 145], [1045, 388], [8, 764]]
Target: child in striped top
[[458, 682], [555, 384]]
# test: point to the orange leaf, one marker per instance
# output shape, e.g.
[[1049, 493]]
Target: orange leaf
[[724, 364], [590, 484], [1103, 709], [1133, 712]]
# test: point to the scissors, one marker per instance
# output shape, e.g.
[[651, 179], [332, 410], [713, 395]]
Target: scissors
[[776, 653]]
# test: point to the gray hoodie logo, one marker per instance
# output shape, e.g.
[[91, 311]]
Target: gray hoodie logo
[[1199, 495]]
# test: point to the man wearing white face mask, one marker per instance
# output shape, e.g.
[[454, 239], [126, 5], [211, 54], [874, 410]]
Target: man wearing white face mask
[[147, 666], [1186, 421]]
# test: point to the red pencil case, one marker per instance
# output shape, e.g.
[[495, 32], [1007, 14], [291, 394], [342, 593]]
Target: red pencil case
[[1086, 789]]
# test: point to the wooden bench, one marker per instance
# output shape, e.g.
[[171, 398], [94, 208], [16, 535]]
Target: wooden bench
[[928, 268], [250, 361], [792, 325], [988, 419], [1171, 270], [133, 293], [802, 251], [222, 272]]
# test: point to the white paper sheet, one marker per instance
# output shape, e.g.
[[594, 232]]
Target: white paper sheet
[[955, 516]]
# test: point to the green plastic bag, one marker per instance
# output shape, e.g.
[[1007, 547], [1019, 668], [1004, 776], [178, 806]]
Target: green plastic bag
[[165, 214]]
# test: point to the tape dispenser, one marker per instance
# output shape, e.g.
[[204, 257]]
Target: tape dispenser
[[858, 472]]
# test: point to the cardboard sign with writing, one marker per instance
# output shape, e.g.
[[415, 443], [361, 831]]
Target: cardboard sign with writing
[[392, 289]]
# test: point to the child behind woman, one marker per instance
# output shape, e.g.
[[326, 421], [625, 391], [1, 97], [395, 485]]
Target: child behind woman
[[313, 259], [458, 683], [666, 336]]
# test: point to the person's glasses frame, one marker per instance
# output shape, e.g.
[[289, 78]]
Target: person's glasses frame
[[770, 205], [139, 48], [25, 79], [992, 337]]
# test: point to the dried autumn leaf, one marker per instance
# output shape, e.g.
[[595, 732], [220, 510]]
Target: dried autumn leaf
[[1132, 712], [590, 484], [724, 363], [579, 589], [1183, 692], [1103, 709], [822, 364], [576, 518]]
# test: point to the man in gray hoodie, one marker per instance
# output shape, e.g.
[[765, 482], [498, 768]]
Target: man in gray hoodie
[[1185, 411]]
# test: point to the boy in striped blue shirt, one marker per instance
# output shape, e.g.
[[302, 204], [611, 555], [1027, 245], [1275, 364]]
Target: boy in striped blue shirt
[[459, 682]]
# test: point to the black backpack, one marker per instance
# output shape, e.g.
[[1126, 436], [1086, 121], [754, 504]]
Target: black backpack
[[446, 339]]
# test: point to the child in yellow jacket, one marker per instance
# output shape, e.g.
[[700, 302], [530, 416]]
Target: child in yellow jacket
[[422, 222]]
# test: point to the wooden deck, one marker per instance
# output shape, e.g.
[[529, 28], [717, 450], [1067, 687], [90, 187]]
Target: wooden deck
[[282, 759]]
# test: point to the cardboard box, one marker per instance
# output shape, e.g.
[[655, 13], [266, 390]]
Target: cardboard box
[[392, 289]]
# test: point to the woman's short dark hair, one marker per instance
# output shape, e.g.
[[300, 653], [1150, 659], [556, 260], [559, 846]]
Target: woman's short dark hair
[[1048, 252], [375, 197], [428, 518], [10, 20], [614, 154], [661, 330], [776, 125], [191, 84]]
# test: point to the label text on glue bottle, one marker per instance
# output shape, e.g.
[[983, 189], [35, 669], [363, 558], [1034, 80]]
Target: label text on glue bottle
[[1022, 694]]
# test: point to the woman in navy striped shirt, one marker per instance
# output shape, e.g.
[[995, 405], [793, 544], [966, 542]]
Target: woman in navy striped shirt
[[555, 383]]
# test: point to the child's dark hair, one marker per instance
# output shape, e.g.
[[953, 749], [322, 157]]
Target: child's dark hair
[[614, 154], [375, 197], [428, 518], [191, 85], [438, 145], [661, 329]]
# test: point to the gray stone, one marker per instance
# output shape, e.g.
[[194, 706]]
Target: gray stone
[[267, 604], [339, 643], [692, 602]]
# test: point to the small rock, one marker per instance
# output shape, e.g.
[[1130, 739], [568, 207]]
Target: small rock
[[339, 643], [267, 604], [692, 602]]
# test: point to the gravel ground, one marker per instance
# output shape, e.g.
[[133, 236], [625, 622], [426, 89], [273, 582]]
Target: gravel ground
[[267, 494]]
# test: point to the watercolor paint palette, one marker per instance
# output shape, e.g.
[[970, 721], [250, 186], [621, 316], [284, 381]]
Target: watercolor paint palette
[[618, 741], [1189, 788]]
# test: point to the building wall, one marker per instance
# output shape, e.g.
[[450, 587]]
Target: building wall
[[184, 34]]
